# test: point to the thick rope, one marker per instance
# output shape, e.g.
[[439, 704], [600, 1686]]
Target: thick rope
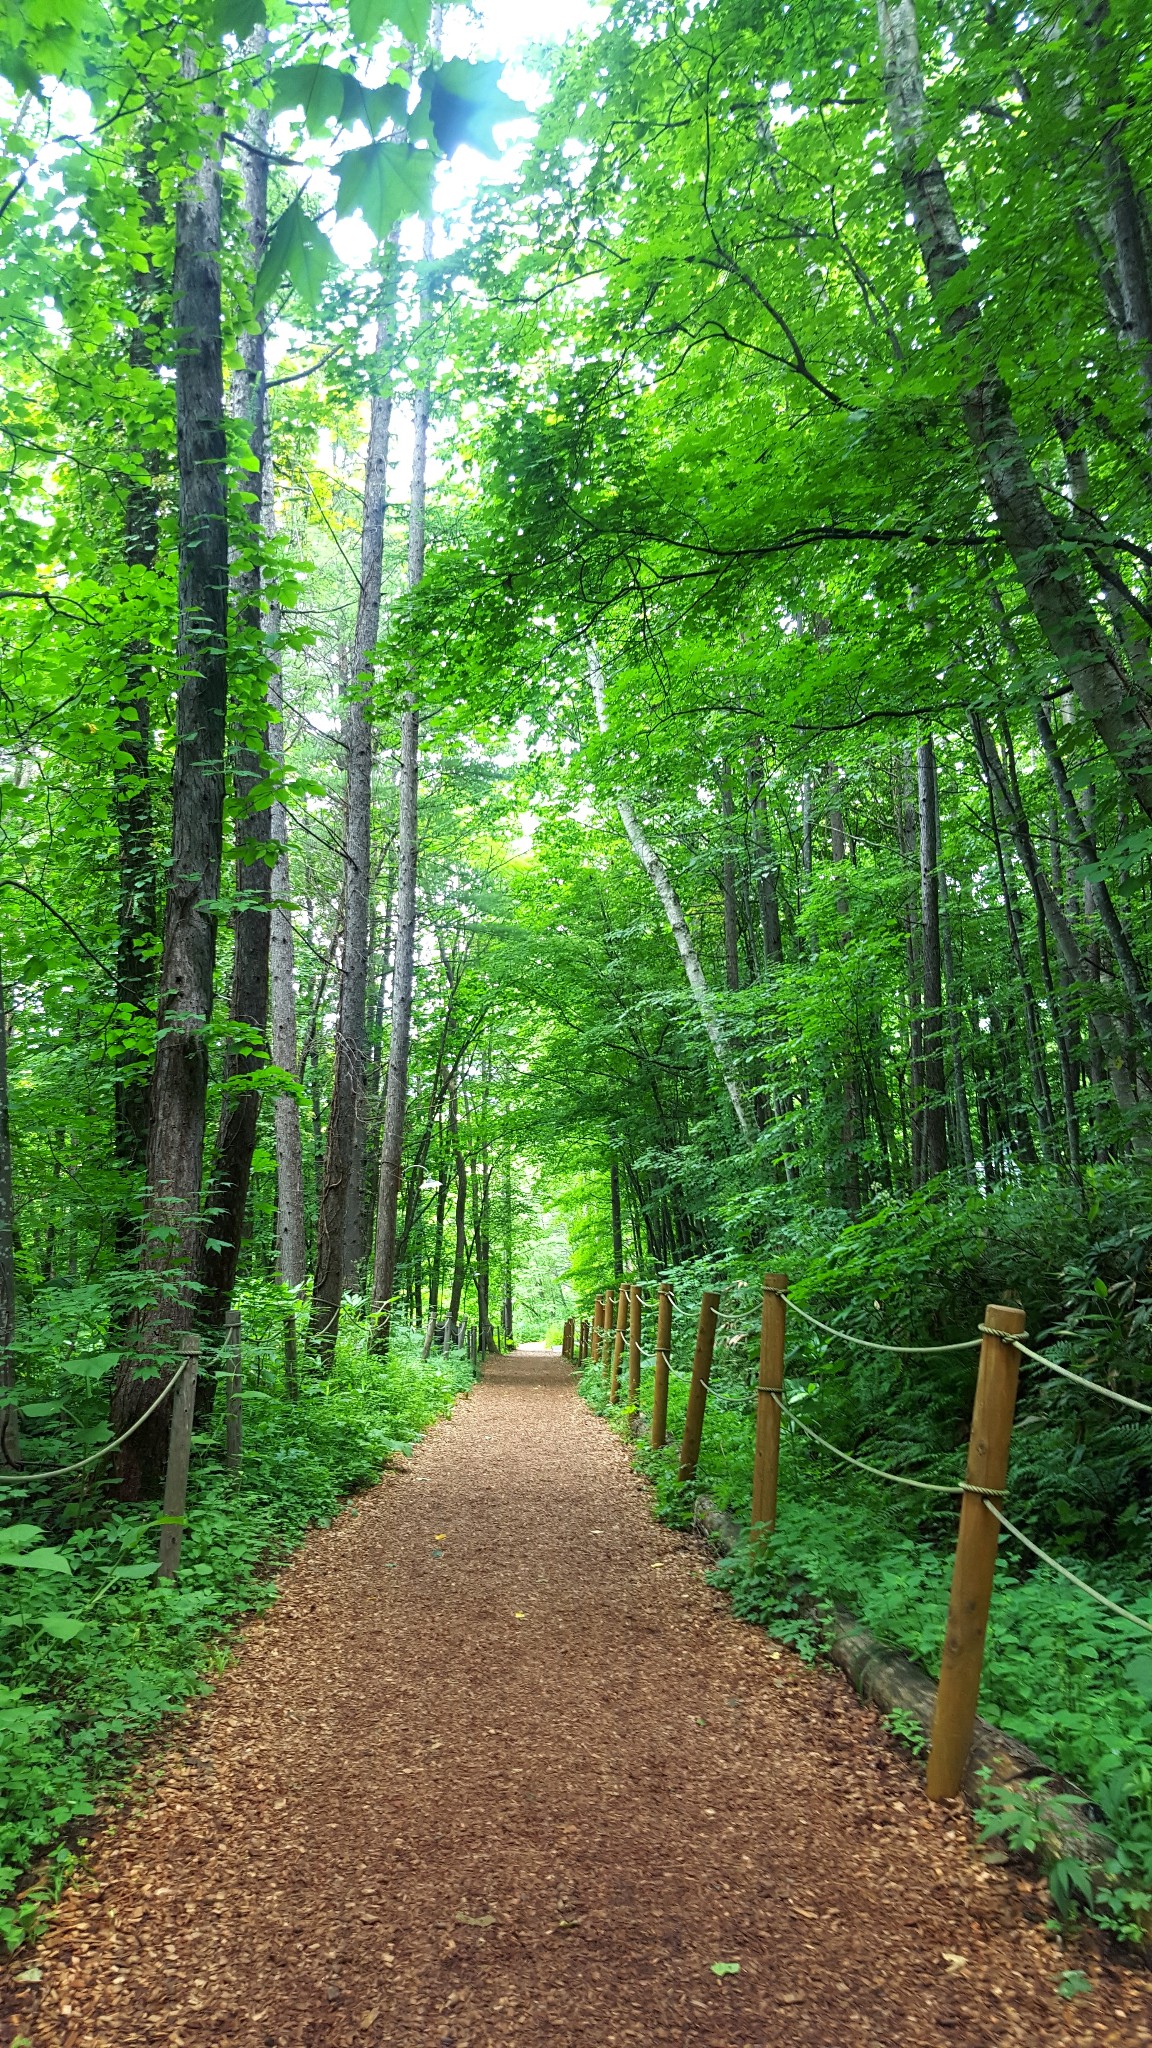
[[1114, 1607], [21, 1478], [1066, 1373], [877, 1471], [846, 1336]]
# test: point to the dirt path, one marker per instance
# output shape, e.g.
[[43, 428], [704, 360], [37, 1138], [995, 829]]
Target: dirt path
[[499, 1768]]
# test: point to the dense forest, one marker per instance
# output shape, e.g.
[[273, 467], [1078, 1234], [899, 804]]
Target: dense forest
[[576, 705]]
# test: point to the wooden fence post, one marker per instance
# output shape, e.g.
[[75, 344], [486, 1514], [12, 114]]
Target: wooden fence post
[[766, 1466], [698, 1391], [583, 1351], [634, 1347], [291, 1361], [233, 1413], [618, 1345], [179, 1452], [975, 1564], [658, 1435], [597, 1325]]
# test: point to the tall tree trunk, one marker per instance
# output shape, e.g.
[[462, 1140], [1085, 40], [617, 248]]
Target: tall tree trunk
[[291, 1247], [617, 1224], [9, 1415], [932, 1014], [731, 911], [1006, 802], [131, 782], [407, 853], [180, 1074], [1059, 600], [661, 881], [251, 925], [955, 1019], [348, 1078], [461, 1220]]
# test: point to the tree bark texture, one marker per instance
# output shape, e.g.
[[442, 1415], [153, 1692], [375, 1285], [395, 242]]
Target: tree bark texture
[[336, 1189], [661, 881], [248, 1051], [932, 1013], [1040, 554], [180, 1074], [9, 1417]]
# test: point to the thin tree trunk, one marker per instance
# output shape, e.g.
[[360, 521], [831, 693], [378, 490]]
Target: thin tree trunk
[[617, 1224], [407, 855], [348, 1078], [955, 1016], [180, 1075], [731, 912], [461, 1240], [9, 1415], [291, 1247], [251, 925], [1058, 598], [932, 1014], [658, 875]]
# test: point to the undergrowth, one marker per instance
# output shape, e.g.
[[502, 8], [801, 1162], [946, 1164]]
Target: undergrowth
[[94, 1649], [1071, 1680]]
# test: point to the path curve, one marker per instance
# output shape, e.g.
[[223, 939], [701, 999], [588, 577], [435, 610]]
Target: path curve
[[499, 1768]]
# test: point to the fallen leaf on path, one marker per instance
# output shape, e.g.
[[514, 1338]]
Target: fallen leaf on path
[[370, 2019], [724, 1969], [953, 1961]]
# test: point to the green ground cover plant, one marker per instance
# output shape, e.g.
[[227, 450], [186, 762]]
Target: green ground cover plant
[[95, 1651]]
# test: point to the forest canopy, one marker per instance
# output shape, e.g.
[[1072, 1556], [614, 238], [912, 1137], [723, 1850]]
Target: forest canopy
[[575, 704]]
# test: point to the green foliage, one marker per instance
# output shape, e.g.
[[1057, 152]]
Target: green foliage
[[95, 1650]]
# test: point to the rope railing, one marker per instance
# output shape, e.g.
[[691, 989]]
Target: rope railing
[[18, 1476], [1002, 1343]]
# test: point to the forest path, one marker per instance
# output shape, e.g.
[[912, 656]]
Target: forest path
[[500, 1768]]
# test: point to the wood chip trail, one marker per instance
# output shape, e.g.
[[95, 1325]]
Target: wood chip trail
[[500, 1768]]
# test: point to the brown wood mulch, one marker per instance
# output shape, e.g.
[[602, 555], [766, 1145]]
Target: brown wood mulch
[[499, 1767]]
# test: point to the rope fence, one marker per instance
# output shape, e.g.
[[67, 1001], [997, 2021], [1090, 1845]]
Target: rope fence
[[19, 1476], [1001, 1342]]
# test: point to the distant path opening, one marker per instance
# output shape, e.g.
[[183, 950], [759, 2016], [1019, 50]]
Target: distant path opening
[[500, 1768]]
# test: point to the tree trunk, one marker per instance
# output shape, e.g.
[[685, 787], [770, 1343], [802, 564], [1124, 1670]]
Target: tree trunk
[[248, 1051], [617, 1224], [1058, 598], [658, 875], [955, 1020], [407, 854], [932, 1013], [291, 1249], [461, 1242], [9, 1415], [180, 1074], [731, 912], [348, 1079]]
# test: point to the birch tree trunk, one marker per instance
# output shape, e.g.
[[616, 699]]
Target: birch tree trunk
[[291, 1249], [1059, 600], [336, 1187], [178, 1101], [658, 875]]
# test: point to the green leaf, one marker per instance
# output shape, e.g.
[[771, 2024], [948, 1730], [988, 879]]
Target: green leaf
[[237, 17], [62, 1626], [40, 1560], [464, 101], [724, 1969], [297, 249], [366, 18], [385, 181], [318, 89]]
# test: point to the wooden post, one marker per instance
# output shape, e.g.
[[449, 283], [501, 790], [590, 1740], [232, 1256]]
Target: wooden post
[[766, 1465], [658, 1435], [233, 1413], [618, 1345], [698, 1391], [975, 1563], [583, 1340], [597, 1326], [179, 1452], [291, 1362], [634, 1348]]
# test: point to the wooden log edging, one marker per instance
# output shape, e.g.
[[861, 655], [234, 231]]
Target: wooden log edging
[[890, 1680]]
